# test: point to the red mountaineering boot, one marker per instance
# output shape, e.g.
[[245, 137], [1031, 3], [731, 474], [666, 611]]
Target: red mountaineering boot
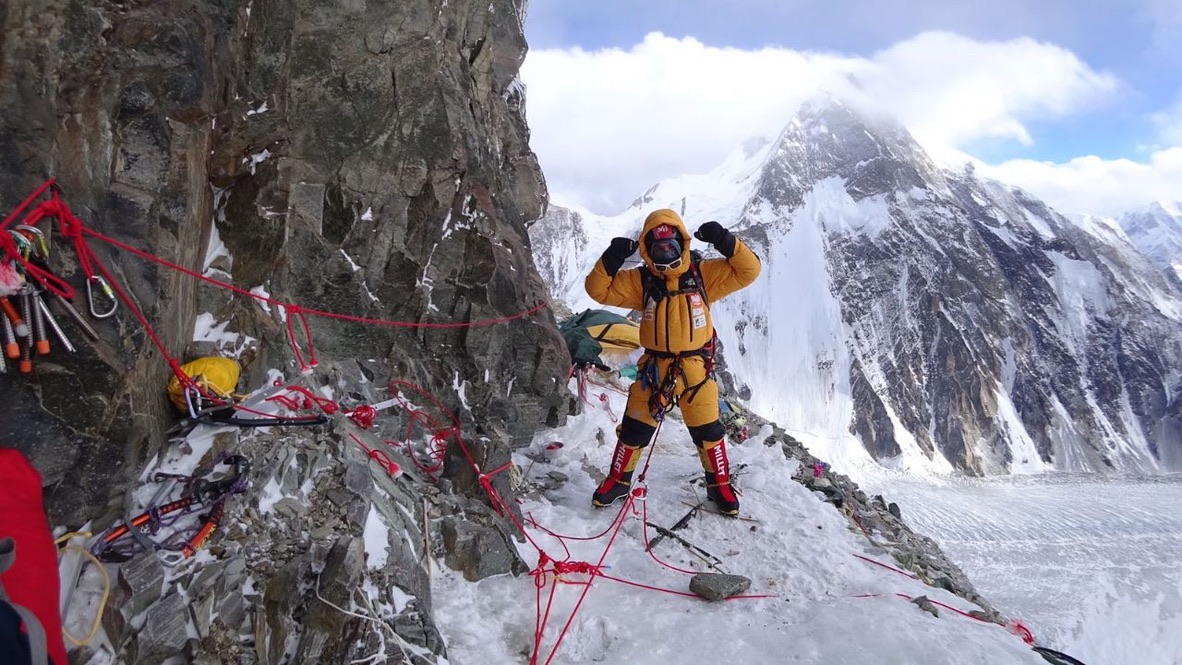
[[718, 481], [619, 478]]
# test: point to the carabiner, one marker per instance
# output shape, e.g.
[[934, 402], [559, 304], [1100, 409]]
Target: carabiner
[[23, 245], [41, 246], [106, 289]]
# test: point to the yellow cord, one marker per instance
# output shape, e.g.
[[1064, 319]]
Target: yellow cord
[[98, 616], [66, 536]]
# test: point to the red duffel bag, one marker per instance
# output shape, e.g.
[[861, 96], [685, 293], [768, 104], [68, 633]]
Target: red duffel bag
[[31, 580]]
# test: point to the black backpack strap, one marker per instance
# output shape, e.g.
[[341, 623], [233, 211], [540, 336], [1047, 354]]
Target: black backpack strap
[[38, 645], [652, 286], [696, 271]]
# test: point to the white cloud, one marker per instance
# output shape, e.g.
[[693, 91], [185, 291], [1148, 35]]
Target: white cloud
[[608, 124], [950, 90], [1093, 185]]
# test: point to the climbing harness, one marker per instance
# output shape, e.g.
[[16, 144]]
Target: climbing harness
[[663, 394], [115, 545]]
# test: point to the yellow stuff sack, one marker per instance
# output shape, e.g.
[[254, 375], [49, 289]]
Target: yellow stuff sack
[[213, 373]]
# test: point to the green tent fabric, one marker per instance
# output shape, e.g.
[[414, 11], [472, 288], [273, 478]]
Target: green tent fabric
[[591, 331]]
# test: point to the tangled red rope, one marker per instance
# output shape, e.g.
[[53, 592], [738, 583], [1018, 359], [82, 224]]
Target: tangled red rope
[[73, 229]]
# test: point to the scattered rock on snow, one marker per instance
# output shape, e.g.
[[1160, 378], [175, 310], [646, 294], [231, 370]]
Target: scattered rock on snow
[[926, 605], [164, 632], [879, 520], [716, 586]]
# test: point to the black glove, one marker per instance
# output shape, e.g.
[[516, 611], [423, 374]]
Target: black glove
[[717, 235], [618, 252]]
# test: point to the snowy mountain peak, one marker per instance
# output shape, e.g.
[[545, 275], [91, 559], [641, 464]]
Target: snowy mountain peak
[[1171, 208], [927, 319], [872, 155], [1157, 231]]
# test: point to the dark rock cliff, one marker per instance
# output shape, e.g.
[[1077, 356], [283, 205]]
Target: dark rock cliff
[[389, 132], [992, 329], [368, 158]]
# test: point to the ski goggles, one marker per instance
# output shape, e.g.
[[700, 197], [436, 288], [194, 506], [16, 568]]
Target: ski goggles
[[666, 254]]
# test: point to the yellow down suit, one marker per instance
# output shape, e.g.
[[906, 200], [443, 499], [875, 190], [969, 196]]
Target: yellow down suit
[[674, 328]]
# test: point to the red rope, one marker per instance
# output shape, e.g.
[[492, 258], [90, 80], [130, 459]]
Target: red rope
[[305, 310], [380, 456], [26, 203], [311, 399], [1016, 626], [608, 406], [541, 618], [290, 314], [436, 447], [54, 208], [563, 537], [71, 228], [363, 416], [674, 592], [583, 380], [606, 386], [583, 596], [884, 565]]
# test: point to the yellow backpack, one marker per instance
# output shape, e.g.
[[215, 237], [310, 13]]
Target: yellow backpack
[[215, 374]]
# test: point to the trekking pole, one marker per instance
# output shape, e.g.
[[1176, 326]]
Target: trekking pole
[[679, 524], [707, 558]]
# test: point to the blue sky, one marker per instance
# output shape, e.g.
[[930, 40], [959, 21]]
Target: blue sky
[[1079, 101]]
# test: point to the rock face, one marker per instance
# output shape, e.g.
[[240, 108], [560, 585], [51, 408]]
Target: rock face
[[370, 159], [366, 159], [562, 250], [999, 334]]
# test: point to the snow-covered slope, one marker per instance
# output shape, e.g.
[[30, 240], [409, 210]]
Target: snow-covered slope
[[816, 595], [926, 318], [1157, 231]]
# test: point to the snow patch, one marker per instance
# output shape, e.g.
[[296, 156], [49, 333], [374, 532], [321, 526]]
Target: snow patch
[[377, 539]]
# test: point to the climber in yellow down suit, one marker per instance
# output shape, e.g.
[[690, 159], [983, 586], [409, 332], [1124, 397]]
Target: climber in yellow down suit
[[673, 292]]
